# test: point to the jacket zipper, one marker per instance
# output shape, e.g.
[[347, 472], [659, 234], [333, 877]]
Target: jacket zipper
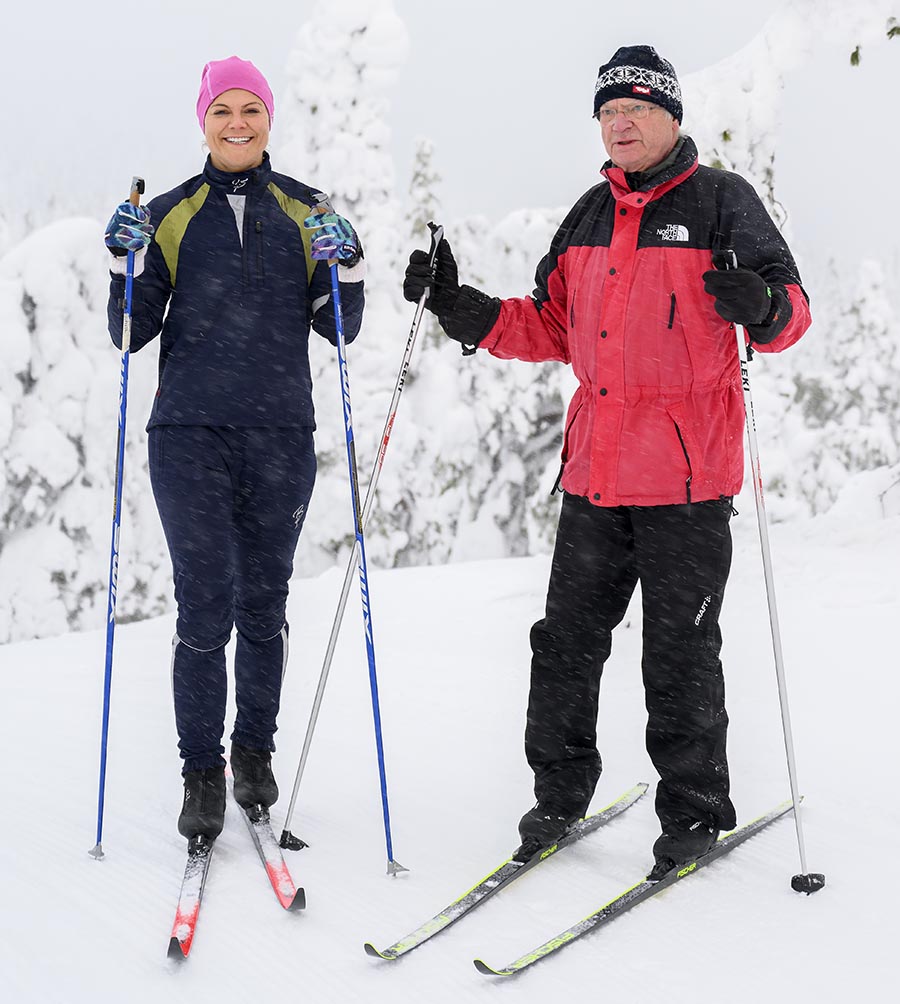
[[690, 477], [565, 452], [260, 271], [245, 236], [672, 310]]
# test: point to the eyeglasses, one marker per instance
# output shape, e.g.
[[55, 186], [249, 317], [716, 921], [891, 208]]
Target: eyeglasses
[[635, 112]]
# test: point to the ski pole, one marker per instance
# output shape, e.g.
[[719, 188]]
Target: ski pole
[[808, 882], [137, 190], [393, 867], [289, 840]]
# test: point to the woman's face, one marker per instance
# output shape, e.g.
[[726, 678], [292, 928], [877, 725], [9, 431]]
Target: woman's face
[[236, 128]]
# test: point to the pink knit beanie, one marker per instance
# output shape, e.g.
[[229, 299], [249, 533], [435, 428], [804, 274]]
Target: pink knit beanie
[[222, 75]]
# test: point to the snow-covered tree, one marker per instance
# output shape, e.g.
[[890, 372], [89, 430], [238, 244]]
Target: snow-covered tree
[[58, 399], [423, 203], [333, 123], [731, 108], [333, 132], [846, 388]]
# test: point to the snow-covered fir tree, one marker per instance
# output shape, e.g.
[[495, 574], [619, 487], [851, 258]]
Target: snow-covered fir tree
[[58, 419], [332, 132], [423, 204], [847, 389]]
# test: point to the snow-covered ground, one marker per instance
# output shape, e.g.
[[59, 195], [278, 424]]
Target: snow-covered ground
[[453, 671]]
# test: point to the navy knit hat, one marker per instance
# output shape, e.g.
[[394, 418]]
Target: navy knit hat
[[638, 71]]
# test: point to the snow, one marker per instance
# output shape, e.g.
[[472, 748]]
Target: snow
[[452, 646], [471, 460]]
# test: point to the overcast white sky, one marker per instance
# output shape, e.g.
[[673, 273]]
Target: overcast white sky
[[503, 88]]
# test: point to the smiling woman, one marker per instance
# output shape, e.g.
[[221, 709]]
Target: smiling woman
[[236, 131], [231, 270], [235, 109]]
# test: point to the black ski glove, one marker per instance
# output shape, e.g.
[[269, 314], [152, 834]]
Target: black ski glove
[[441, 282], [465, 313], [741, 295]]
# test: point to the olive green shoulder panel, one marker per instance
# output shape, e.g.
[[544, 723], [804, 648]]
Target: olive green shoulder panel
[[297, 211], [171, 229]]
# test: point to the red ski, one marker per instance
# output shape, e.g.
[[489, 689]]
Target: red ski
[[266, 843], [199, 854]]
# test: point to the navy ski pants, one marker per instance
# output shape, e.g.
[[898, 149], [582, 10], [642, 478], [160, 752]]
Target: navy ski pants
[[232, 502], [681, 554]]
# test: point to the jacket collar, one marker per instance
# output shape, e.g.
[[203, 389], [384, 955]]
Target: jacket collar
[[655, 182], [240, 183]]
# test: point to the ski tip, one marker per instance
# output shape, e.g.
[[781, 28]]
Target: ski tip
[[484, 968], [298, 902], [376, 954], [176, 950]]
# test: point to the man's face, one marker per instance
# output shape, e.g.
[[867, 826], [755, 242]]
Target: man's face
[[637, 134]]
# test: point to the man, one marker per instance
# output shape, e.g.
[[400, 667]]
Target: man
[[653, 445]]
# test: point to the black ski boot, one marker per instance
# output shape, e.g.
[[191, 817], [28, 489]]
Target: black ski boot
[[254, 782], [681, 846], [542, 826], [203, 810]]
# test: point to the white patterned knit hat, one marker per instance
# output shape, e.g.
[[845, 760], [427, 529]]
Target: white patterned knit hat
[[638, 71]]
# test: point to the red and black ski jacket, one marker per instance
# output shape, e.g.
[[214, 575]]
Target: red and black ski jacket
[[658, 415]]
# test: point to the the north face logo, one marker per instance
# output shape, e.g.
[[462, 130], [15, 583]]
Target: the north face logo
[[674, 232]]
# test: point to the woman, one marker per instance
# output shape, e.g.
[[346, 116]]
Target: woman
[[231, 275]]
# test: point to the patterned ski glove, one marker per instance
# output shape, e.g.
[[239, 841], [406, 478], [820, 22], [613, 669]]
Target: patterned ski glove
[[335, 239], [128, 230], [741, 295]]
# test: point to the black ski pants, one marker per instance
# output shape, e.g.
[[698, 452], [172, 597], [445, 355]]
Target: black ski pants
[[232, 502], [681, 554]]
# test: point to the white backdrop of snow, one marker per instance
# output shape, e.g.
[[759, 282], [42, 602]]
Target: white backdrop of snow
[[475, 448]]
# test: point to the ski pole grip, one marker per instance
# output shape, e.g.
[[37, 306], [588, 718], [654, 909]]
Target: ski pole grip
[[725, 259], [437, 235], [137, 190], [323, 205]]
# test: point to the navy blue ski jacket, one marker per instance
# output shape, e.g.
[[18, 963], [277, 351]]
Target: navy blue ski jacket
[[233, 309]]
